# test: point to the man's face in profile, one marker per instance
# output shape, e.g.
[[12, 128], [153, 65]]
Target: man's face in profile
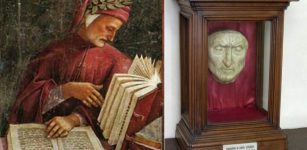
[[103, 29], [227, 52]]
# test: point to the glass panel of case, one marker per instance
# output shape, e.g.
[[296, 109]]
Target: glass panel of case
[[238, 71], [184, 48]]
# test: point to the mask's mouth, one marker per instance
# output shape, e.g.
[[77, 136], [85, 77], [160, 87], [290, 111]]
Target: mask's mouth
[[227, 70]]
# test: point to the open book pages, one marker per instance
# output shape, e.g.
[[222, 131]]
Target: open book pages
[[34, 137], [147, 68], [125, 90]]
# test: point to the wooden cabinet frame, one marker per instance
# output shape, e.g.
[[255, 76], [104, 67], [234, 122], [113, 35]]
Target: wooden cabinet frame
[[192, 131]]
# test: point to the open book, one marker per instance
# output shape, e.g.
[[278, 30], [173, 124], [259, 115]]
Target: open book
[[124, 92], [34, 137]]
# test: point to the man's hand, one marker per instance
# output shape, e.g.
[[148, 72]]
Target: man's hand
[[60, 126], [84, 91]]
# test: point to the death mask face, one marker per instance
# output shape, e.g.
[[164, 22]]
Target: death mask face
[[227, 53]]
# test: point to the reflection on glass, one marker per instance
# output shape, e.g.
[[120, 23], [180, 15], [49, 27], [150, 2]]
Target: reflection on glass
[[266, 63], [185, 48]]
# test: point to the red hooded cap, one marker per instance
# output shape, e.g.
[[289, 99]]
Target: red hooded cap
[[81, 6]]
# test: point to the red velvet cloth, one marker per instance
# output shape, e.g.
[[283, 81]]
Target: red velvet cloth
[[236, 115], [240, 95]]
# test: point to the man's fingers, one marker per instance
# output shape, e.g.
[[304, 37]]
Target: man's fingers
[[98, 95], [50, 125], [63, 134], [53, 131], [96, 101], [55, 135], [59, 132], [86, 103], [90, 102]]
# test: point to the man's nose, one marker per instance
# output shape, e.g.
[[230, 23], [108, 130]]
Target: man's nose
[[111, 36], [227, 59]]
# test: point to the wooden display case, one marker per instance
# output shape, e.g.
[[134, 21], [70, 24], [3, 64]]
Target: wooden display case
[[247, 110]]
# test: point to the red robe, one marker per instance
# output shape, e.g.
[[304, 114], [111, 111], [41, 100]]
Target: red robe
[[71, 59]]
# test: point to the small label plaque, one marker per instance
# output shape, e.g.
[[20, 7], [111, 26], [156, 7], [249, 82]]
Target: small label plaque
[[243, 146]]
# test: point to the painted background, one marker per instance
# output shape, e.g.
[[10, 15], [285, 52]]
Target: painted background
[[26, 27]]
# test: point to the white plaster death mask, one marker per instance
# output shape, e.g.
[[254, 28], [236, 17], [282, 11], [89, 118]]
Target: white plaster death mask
[[227, 52]]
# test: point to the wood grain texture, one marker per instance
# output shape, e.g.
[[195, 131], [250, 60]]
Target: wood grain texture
[[296, 140], [192, 131]]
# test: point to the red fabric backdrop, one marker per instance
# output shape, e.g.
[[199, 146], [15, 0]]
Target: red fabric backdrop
[[242, 92], [235, 101]]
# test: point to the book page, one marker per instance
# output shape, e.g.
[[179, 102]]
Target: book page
[[111, 94], [136, 96], [148, 66], [119, 103], [30, 137], [158, 67], [80, 138], [137, 67], [122, 113], [116, 104], [142, 66]]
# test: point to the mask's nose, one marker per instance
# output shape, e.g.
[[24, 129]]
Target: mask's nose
[[227, 59]]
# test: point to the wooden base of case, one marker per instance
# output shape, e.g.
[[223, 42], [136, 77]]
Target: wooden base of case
[[267, 138]]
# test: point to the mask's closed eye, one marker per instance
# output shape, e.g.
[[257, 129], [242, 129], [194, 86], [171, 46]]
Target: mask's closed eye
[[238, 48], [219, 48]]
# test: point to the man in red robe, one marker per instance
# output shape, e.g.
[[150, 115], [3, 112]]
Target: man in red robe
[[65, 83]]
